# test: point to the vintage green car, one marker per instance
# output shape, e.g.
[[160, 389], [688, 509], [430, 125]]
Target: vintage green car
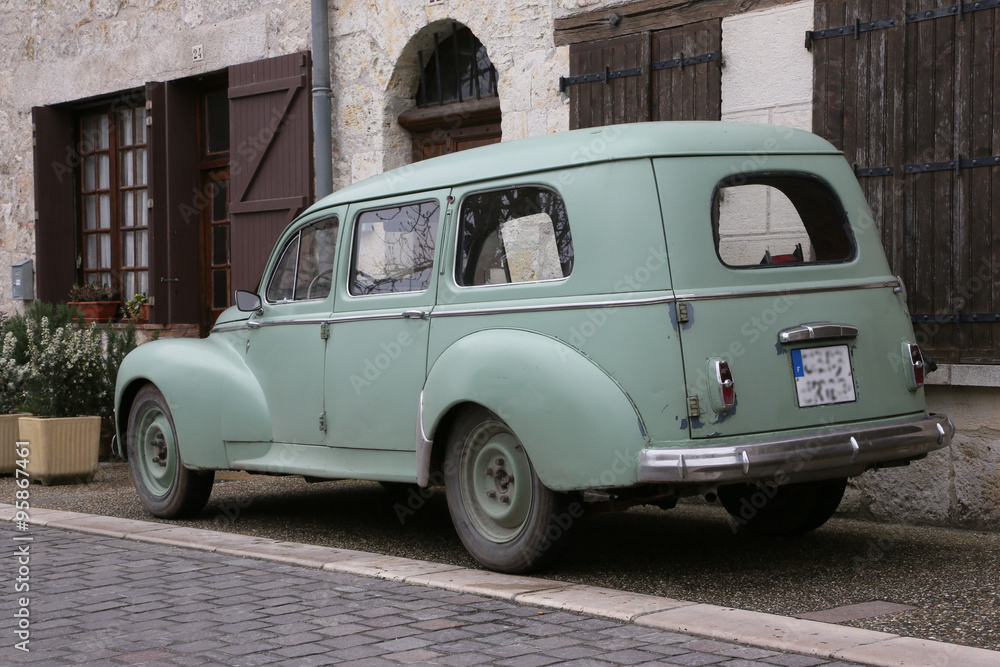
[[615, 316]]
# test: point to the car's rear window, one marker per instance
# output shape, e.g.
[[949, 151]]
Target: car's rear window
[[779, 219]]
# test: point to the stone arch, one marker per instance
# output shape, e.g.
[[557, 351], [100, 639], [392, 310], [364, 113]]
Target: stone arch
[[403, 83]]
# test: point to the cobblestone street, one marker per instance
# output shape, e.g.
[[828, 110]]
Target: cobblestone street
[[98, 600]]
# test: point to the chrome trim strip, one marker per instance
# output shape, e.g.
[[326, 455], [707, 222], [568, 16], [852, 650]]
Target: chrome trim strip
[[831, 452], [816, 332], [785, 291], [585, 305]]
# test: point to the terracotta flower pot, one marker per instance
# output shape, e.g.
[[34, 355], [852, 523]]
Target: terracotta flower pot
[[62, 449], [96, 311]]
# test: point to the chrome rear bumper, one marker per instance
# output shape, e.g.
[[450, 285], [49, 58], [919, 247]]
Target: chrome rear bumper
[[837, 451]]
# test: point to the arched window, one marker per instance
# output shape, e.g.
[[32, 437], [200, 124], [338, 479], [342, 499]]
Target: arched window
[[458, 69], [457, 103]]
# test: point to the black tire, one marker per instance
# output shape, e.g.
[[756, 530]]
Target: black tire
[[166, 488], [507, 519], [792, 509]]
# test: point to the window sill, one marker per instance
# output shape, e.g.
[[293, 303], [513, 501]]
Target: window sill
[[965, 375]]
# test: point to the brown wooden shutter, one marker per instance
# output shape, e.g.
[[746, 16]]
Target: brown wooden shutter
[[270, 157], [174, 246], [621, 99], [916, 96], [56, 161], [687, 72]]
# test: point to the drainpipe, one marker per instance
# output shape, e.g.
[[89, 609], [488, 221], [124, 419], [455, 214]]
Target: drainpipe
[[321, 92]]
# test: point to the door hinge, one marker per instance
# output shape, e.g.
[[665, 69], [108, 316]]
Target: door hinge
[[324, 331], [322, 421], [694, 409], [149, 203], [683, 316]]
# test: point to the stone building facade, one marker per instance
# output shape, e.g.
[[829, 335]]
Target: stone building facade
[[72, 54]]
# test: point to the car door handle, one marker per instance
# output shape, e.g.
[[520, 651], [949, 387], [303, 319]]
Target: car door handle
[[253, 325], [816, 331], [416, 314]]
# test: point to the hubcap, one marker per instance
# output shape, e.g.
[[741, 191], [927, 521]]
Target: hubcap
[[157, 451], [496, 482]]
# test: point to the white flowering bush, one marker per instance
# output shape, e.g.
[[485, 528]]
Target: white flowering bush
[[11, 377], [66, 372]]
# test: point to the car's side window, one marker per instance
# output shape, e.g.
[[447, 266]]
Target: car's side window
[[393, 249], [513, 235], [764, 220], [305, 269]]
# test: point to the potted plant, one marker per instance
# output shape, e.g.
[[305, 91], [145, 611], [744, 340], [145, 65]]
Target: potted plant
[[98, 302], [65, 388], [137, 308]]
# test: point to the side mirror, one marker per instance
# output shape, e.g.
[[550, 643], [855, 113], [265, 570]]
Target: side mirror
[[248, 301]]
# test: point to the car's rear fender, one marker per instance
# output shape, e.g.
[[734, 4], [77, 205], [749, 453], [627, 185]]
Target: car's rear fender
[[577, 424], [212, 396]]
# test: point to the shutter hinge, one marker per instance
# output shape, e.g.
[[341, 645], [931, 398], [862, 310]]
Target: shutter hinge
[[149, 121], [152, 301], [322, 421], [149, 104], [34, 139], [683, 317], [694, 409], [149, 203], [36, 215], [324, 331]]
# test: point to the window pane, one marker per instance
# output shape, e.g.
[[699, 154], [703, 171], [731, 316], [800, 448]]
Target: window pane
[[394, 249], [283, 280], [103, 131], [103, 172], [141, 208], [513, 236], [106, 278], [128, 209], [128, 249], [140, 166], [219, 201], [93, 277], [315, 274], [90, 212], [88, 134], [91, 252], [125, 127], [777, 219], [143, 280], [105, 206], [217, 126], [220, 244], [128, 284], [140, 125], [220, 288], [142, 248], [105, 251], [89, 173], [125, 158]]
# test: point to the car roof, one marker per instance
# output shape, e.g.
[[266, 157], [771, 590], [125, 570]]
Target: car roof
[[581, 147]]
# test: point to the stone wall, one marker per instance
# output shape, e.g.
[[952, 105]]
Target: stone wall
[[376, 73], [55, 51]]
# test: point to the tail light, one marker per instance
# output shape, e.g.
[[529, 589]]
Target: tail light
[[917, 368], [724, 396]]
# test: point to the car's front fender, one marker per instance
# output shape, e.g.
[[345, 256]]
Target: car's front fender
[[212, 396], [577, 424]]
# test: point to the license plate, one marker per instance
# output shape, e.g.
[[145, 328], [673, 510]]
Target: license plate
[[823, 376]]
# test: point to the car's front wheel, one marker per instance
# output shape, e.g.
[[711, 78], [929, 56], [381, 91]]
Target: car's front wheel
[[791, 509], [507, 519], [165, 486]]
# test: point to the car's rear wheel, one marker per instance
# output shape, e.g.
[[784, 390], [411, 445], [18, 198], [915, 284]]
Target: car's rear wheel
[[166, 488], [790, 509], [507, 519]]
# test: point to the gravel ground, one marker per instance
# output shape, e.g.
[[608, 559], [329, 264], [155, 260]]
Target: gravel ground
[[691, 552]]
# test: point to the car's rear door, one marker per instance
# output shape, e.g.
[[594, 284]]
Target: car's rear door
[[779, 273]]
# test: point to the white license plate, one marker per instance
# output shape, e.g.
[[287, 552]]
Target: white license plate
[[823, 376]]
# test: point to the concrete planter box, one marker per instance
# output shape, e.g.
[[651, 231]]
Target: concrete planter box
[[8, 438], [63, 450]]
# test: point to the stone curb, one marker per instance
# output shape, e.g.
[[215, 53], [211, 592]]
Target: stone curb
[[767, 631]]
